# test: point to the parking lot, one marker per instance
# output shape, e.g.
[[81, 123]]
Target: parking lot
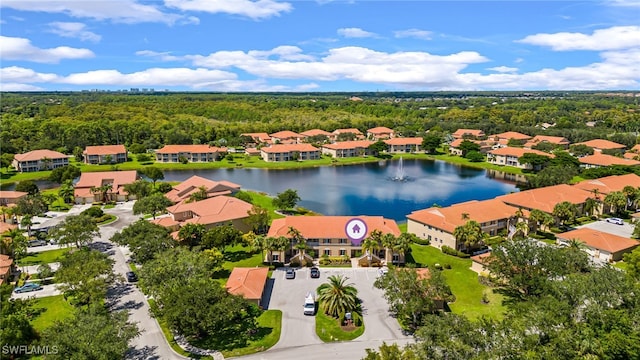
[[299, 329], [621, 230]]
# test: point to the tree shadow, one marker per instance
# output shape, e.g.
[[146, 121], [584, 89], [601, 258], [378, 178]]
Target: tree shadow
[[266, 295], [409, 260], [234, 256], [145, 353], [129, 305]]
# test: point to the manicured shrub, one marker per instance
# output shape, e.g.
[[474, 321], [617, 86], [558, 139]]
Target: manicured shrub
[[94, 212], [420, 241], [451, 251], [556, 230]]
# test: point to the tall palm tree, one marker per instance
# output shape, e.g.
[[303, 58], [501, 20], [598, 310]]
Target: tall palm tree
[[565, 211], [14, 243], [199, 195], [298, 241], [403, 243], [388, 242], [336, 297], [523, 227], [371, 244], [66, 191], [590, 206], [631, 193], [470, 234], [617, 200]]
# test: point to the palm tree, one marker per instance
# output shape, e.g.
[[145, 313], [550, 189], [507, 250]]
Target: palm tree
[[565, 211], [575, 244], [106, 190], [199, 195], [465, 216], [590, 206], [540, 217], [298, 241], [371, 244], [27, 222], [14, 243], [403, 243], [46, 163], [617, 200], [388, 242], [523, 227], [336, 297], [66, 191], [470, 234], [255, 242], [6, 211], [631, 193]]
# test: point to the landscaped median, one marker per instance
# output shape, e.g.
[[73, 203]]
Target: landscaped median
[[330, 329]]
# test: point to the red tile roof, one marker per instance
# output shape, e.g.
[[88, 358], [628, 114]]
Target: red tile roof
[[329, 227], [315, 132], [558, 140], [4, 227], [636, 148], [9, 194], [602, 144], [183, 190], [285, 134], [96, 179], [261, 137], [631, 155], [609, 184], [39, 155], [481, 258], [606, 160], [450, 217], [166, 221], [5, 261], [404, 141], [511, 135], [248, 282], [104, 150], [600, 240], [213, 210], [546, 198], [285, 148], [194, 149], [345, 145], [462, 132], [380, 130], [350, 130], [517, 152]]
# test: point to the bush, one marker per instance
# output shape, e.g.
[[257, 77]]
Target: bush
[[583, 219], [295, 262], [420, 241], [545, 235], [451, 251], [447, 266], [556, 230], [94, 212]]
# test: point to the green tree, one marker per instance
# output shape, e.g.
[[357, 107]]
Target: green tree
[[467, 146], [145, 240], [544, 146], [431, 141], [85, 275], [536, 161], [272, 244], [632, 195], [617, 200], [64, 173], [91, 335], [191, 234], [632, 260], [244, 196], [286, 200], [581, 150], [337, 297], [411, 296], [474, 156], [139, 189], [154, 174], [391, 352], [199, 195], [15, 319], [6, 160], [28, 186], [371, 244], [45, 271], [591, 206], [298, 241], [378, 147], [14, 243], [258, 219], [565, 212], [221, 236], [67, 192], [470, 234], [539, 218], [76, 229], [152, 204]]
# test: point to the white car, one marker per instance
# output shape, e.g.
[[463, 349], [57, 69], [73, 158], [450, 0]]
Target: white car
[[616, 221]]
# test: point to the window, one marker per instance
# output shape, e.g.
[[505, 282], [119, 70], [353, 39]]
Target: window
[[326, 241], [429, 237], [343, 252], [275, 257], [343, 241], [327, 252]]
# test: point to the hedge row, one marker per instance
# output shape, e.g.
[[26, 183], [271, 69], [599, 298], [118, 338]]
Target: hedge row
[[451, 251]]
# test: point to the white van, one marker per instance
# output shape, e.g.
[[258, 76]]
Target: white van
[[310, 304]]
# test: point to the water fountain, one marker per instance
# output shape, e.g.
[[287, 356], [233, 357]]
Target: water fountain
[[400, 175]]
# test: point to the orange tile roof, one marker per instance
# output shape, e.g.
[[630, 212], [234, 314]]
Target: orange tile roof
[[546, 198], [248, 282], [559, 140], [345, 145], [166, 221], [9, 194], [350, 130], [262, 137], [315, 132], [631, 155], [601, 144], [194, 149], [609, 184], [183, 190], [606, 160], [511, 135], [518, 152], [283, 148], [5, 261], [380, 130], [481, 258], [329, 227], [473, 132], [96, 179], [39, 155], [600, 240], [104, 150], [450, 217], [4, 227], [404, 141], [252, 151], [636, 148], [285, 134], [213, 210]]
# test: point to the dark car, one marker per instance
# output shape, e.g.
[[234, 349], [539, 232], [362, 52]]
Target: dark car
[[34, 243], [315, 273], [28, 287], [132, 277], [290, 273]]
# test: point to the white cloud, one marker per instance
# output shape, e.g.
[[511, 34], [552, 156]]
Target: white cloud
[[260, 9], [74, 30], [613, 38], [162, 56], [413, 33], [503, 69], [18, 87], [624, 3], [355, 33], [154, 76], [13, 48], [123, 11], [18, 74]]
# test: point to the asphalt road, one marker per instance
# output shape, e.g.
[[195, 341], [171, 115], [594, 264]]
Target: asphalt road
[[621, 230]]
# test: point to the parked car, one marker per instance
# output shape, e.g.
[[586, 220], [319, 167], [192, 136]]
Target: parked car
[[28, 288], [315, 273], [34, 243], [290, 273], [616, 221], [132, 277], [309, 304]]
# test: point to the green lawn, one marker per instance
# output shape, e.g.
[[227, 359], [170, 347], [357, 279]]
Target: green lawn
[[240, 256], [270, 323], [463, 282], [328, 329], [52, 308], [43, 257], [263, 200]]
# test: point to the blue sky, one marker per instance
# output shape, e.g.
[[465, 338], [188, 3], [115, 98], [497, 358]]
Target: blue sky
[[324, 45]]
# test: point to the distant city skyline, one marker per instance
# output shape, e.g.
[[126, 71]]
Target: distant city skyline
[[318, 46]]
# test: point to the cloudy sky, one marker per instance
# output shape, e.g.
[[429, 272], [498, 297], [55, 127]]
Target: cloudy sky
[[323, 45]]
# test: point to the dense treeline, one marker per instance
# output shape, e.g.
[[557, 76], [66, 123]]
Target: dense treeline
[[64, 121]]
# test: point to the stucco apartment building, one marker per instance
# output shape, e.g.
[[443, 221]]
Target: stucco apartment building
[[546, 198], [316, 132], [192, 153], [598, 145], [86, 189], [326, 235], [258, 138], [608, 184], [249, 283], [287, 152], [404, 145], [510, 156], [437, 224], [212, 212], [10, 198], [599, 160], [286, 137], [343, 149], [559, 141], [105, 154], [468, 134], [601, 246], [380, 133], [183, 191], [38, 160], [357, 133]]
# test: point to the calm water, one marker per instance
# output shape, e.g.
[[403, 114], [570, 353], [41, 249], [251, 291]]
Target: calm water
[[366, 189]]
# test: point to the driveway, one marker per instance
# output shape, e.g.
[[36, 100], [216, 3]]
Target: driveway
[[299, 330], [621, 230], [47, 290]]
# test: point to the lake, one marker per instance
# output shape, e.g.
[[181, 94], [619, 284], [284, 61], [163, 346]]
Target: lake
[[367, 189]]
